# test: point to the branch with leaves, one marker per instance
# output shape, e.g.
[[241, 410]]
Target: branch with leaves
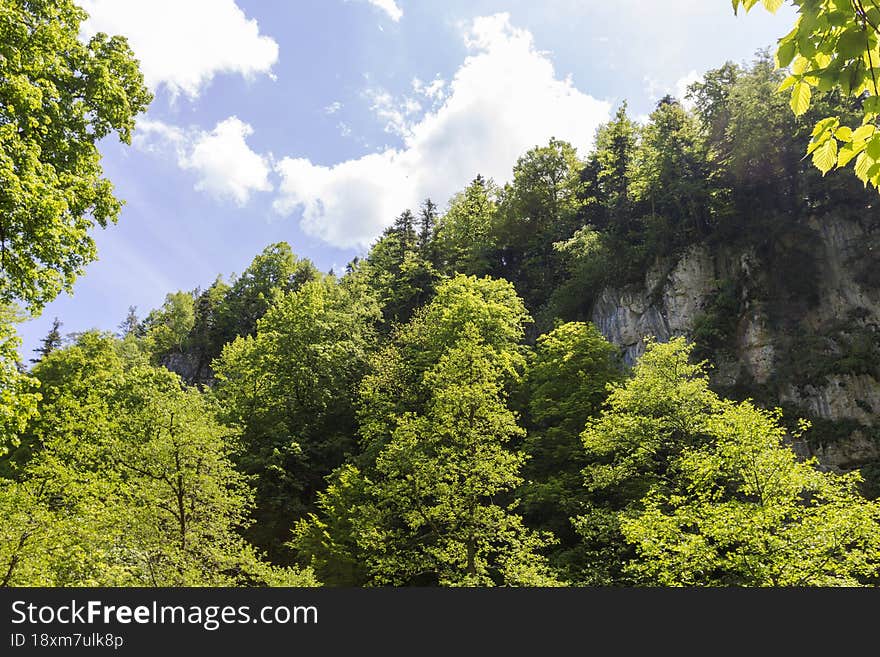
[[834, 45]]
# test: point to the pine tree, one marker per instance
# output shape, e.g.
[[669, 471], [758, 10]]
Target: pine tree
[[131, 325], [51, 342]]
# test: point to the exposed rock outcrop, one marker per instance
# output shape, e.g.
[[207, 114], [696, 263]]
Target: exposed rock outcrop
[[795, 323]]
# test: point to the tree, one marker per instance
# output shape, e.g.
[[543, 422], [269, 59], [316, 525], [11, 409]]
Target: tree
[[744, 511], [607, 202], [394, 383], [672, 179], [168, 328], [647, 422], [465, 239], [206, 338], [691, 489], [834, 45], [565, 385], [538, 208], [433, 516], [18, 391], [399, 266], [290, 390], [251, 294], [130, 482], [51, 342], [58, 98], [131, 325], [429, 499]]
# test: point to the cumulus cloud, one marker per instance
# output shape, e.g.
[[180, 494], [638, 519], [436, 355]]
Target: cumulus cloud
[[224, 164], [504, 99], [682, 84], [390, 7], [183, 45]]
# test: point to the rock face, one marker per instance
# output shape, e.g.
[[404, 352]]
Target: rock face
[[793, 323], [188, 367]]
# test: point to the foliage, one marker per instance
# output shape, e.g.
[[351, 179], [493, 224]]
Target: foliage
[[58, 98], [290, 389], [464, 238], [251, 293], [131, 483], [834, 45], [537, 209], [401, 265], [425, 506], [745, 512], [632, 447], [566, 384], [168, 327], [432, 518], [18, 391]]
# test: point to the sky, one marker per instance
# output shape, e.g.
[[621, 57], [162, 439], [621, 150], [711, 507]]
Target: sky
[[316, 122]]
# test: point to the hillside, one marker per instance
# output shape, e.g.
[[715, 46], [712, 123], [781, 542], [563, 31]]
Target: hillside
[[567, 379]]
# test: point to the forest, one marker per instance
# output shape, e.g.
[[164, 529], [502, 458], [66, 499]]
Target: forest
[[443, 412]]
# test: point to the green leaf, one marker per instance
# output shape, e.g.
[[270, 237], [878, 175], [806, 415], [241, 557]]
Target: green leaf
[[847, 153], [830, 122], [825, 157], [851, 43], [862, 133], [785, 52], [863, 163], [772, 5], [873, 148], [800, 98], [787, 83], [844, 133], [871, 104]]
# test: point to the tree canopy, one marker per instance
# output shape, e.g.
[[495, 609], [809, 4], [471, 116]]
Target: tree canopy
[[58, 98]]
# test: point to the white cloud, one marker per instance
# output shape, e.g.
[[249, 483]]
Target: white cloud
[[225, 165], [390, 7], [504, 99], [434, 90], [655, 89], [333, 107], [682, 84], [184, 44], [398, 114]]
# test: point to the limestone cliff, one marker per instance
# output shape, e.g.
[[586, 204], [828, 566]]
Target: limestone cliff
[[791, 320]]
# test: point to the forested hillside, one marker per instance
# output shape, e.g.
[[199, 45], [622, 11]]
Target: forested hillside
[[521, 385]]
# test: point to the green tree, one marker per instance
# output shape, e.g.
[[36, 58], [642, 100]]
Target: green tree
[[538, 208], [51, 342], [399, 266], [168, 328], [131, 325], [205, 340], [565, 385], [672, 179], [607, 175], [744, 511], [290, 389], [633, 445], [834, 45], [58, 98], [18, 391], [130, 482], [430, 498], [433, 517], [465, 239], [251, 294]]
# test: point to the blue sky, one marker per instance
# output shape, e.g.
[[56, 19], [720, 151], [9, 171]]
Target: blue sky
[[317, 121]]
